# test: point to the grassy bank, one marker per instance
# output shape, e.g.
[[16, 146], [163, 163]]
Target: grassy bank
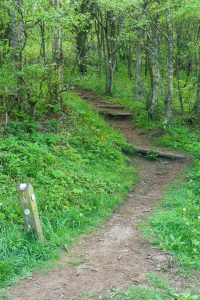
[[176, 225], [75, 163]]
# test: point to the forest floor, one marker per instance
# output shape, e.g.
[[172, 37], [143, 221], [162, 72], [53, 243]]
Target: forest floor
[[115, 255]]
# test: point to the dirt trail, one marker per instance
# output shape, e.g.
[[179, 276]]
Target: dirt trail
[[114, 255]]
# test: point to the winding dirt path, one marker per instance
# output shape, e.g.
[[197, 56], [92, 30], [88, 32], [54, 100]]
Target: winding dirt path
[[114, 255]]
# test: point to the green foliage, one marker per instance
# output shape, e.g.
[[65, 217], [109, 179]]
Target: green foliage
[[181, 137], [152, 155], [123, 91], [176, 227], [149, 293], [142, 293], [157, 282], [76, 166], [4, 294], [158, 289]]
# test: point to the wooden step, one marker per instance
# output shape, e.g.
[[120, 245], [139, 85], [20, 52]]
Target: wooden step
[[112, 106], [116, 115], [88, 98], [155, 152]]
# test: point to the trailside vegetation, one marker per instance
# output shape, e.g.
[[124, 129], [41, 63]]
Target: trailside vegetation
[[175, 226], [44, 44], [75, 163], [158, 289], [143, 54]]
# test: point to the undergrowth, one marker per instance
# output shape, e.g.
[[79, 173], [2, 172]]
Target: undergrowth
[[148, 293], [158, 288], [74, 161], [176, 224]]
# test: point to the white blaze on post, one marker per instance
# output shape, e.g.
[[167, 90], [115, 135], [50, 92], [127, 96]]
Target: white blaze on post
[[22, 186], [30, 210]]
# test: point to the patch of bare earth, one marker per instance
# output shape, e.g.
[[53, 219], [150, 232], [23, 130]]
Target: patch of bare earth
[[115, 255]]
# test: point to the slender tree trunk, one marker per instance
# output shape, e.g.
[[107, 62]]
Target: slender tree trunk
[[154, 52], [82, 51], [110, 70], [57, 58], [170, 84], [180, 95], [43, 43], [130, 61], [109, 53], [99, 33], [147, 69], [197, 103], [153, 109], [196, 107], [18, 44], [82, 35], [100, 57], [139, 88]]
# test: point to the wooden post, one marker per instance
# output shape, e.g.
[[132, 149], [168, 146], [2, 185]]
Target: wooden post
[[30, 210]]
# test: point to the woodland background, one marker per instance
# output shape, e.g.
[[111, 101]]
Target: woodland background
[[143, 54]]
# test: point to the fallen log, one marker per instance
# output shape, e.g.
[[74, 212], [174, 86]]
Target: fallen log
[[153, 153], [160, 153]]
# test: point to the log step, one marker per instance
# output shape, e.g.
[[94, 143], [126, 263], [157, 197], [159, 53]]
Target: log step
[[161, 153], [154, 153], [112, 106], [88, 98], [116, 115]]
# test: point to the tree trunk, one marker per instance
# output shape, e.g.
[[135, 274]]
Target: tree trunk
[[110, 46], [196, 107], [100, 58], [110, 70], [18, 44], [170, 85], [82, 51], [57, 58], [81, 39], [197, 103], [153, 110], [154, 39], [130, 61], [139, 88], [99, 33], [43, 45]]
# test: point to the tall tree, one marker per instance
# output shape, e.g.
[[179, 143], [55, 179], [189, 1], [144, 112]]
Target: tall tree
[[82, 34], [196, 107], [18, 42], [57, 54]]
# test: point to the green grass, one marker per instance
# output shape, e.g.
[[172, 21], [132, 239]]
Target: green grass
[[176, 224], [148, 293], [74, 161], [4, 294], [158, 288], [157, 281]]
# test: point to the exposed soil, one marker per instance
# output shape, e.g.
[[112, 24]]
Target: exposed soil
[[115, 255]]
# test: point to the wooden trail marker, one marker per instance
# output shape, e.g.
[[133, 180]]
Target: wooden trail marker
[[30, 210]]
